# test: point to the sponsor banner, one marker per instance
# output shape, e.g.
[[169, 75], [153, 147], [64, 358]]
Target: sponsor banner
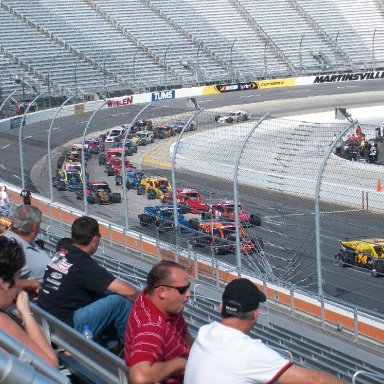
[[188, 92], [129, 99], [16, 121], [346, 77], [252, 85], [120, 101], [79, 109], [163, 95]]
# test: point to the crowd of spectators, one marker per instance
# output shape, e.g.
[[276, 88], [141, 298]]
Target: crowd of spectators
[[158, 347]]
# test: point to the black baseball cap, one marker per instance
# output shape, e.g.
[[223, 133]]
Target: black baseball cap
[[241, 295]]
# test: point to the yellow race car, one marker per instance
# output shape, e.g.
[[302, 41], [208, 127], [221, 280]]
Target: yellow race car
[[155, 187], [365, 253]]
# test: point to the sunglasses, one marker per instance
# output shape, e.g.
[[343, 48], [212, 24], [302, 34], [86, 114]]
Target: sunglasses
[[181, 290]]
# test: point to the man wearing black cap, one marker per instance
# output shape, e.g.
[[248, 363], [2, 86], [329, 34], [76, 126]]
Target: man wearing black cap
[[224, 353]]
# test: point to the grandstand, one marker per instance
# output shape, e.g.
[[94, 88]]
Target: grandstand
[[94, 48]]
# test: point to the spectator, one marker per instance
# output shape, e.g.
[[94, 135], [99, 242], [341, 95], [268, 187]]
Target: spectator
[[224, 353], [26, 195], [25, 228], [12, 260], [157, 342], [79, 291], [4, 200]]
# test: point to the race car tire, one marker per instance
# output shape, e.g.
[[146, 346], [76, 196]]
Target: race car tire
[[341, 262], [91, 200], [145, 220], [102, 159], [258, 243], [184, 209], [118, 180], [151, 194], [110, 171], [205, 216], [140, 190], [374, 272], [129, 184], [194, 224], [255, 220], [61, 186], [116, 197]]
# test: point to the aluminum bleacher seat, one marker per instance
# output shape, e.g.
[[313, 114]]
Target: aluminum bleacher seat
[[83, 358], [23, 366]]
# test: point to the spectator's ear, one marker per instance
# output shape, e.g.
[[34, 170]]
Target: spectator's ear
[[220, 306]]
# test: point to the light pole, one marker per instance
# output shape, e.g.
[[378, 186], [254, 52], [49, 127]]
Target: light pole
[[75, 74], [104, 73], [336, 60], [265, 59], [164, 60], [134, 66], [231, 57], [300, 55], [197, 63], [373, 50]]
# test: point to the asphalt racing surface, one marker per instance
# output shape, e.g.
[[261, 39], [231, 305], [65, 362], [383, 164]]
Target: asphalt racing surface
[[287, 222]]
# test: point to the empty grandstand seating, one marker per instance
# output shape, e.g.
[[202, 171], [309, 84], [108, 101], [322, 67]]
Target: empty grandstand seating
[[106, 46]]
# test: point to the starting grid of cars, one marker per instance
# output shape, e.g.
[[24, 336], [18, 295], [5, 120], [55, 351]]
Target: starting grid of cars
[[212, 224]]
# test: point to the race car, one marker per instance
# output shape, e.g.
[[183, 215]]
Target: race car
[[366, 253], [233, 117], [133, 179], [145, 137], [179, 125], [225, 209], [189, 200], [164, 131], [221, 236], [161, 217], [155, 187], [100, 193], [70, 179]]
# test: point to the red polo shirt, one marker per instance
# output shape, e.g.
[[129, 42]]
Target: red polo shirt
[[153, 336]]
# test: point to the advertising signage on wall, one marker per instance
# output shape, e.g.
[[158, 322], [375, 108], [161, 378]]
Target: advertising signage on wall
[[117, 102], [163, 95], [349, 77], [252, 85]]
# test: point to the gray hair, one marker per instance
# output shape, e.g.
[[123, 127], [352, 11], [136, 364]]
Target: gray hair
[[25, 217]]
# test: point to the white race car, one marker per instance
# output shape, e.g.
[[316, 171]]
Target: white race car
[[235, 116]]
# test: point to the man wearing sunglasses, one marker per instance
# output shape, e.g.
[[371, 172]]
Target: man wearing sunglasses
[[157, 340], [224, 353]]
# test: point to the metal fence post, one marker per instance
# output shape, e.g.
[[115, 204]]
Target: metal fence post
[[236, 195], [317, 207]]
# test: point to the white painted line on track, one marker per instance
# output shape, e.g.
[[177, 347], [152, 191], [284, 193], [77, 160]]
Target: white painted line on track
[[28, 137], [312, 213], [6, 146], [2, 166], [17, 177], [205, 101]]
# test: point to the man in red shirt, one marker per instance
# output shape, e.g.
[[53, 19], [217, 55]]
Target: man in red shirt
[[157, 340]]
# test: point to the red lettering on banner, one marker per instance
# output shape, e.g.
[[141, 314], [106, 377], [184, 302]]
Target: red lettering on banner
[[117, 103]]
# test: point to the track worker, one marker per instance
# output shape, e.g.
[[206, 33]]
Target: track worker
[[157, 342], [78, 291], [25, 227], [12, 260], [224, 353]]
